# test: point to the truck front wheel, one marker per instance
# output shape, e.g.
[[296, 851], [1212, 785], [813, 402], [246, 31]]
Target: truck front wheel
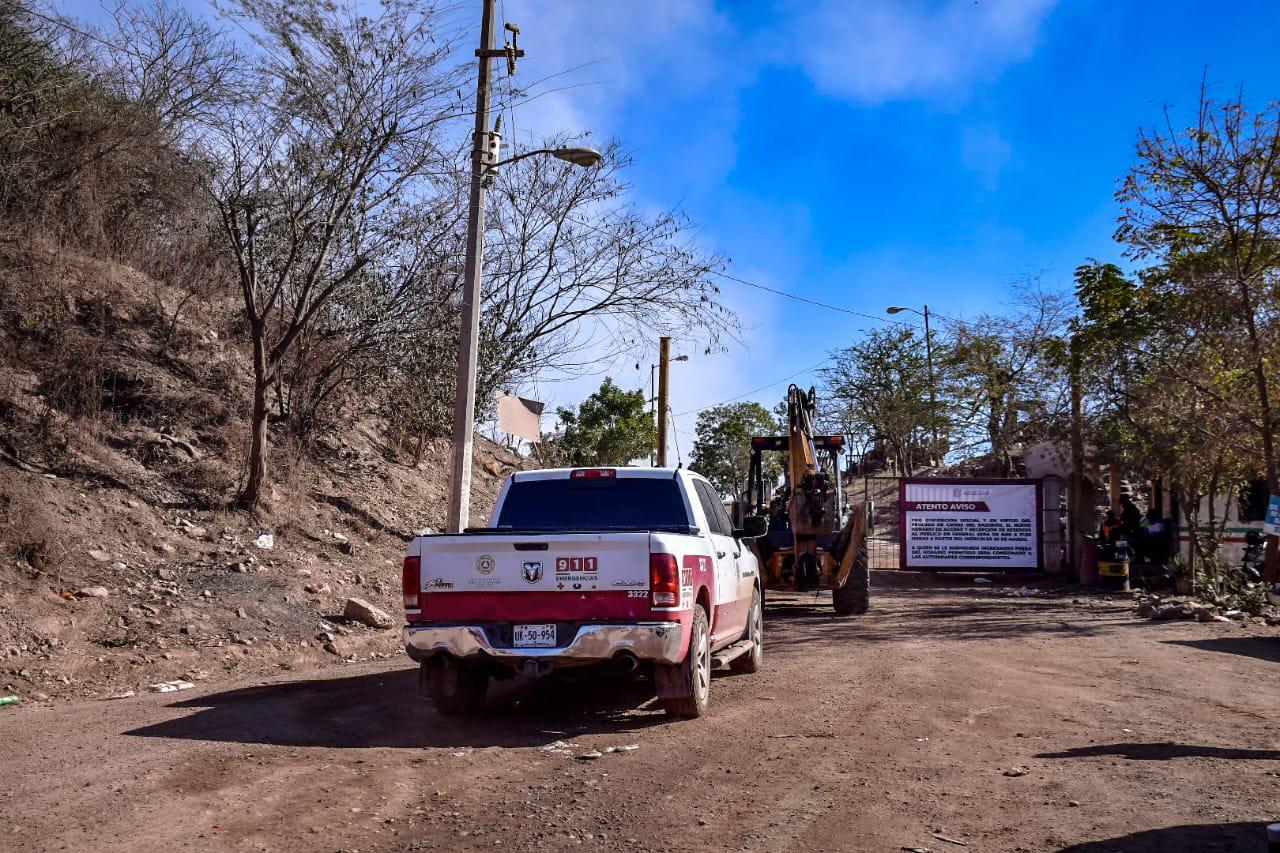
[[455, 689], [685, 688]]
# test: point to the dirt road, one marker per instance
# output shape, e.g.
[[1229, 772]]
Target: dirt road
[[951, 712]]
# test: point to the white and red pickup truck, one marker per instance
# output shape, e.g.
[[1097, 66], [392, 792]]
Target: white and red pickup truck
[[630, 566]]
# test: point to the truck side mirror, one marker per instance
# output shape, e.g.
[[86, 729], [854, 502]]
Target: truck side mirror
[[753, 527]]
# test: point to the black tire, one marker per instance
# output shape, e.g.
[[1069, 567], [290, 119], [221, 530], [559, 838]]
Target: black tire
[[854, 597], [692, 678], [455, 689], [754, 659], [806, 573]]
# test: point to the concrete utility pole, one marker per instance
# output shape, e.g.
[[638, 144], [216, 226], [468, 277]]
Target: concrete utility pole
[[664, 364], [484, 163], [933, 385], [464, 403]]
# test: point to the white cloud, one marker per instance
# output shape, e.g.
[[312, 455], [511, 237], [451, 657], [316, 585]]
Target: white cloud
[[874, 51]]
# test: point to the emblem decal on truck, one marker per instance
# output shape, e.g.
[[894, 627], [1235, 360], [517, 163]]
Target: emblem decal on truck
[[531, 571], [628, 583], [438, 583], [485, 564]]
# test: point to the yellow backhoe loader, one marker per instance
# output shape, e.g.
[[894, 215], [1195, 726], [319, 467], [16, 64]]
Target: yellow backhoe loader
[[815, 541]]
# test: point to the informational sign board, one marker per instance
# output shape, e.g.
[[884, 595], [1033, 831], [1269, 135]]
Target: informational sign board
[[969, 524], [1272, 522]]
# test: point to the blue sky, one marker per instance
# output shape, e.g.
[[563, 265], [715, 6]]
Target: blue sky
[[877, 152], [869, 152]]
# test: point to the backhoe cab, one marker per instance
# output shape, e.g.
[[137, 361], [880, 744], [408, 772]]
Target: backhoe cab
[[815, 540]]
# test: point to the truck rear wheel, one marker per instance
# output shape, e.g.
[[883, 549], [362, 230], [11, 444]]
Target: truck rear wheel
[[685, 688], [854, 597], [455, 689], [752, 660]]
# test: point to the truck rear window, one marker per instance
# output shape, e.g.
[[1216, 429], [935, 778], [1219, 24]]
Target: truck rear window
[[622, 503]]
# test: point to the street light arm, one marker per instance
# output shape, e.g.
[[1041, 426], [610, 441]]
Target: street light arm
[[510, 160], [577, 156]]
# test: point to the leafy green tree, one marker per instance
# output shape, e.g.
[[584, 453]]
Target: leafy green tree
[[1204, 204], [881, 386], [611, 427], [722, 451], [1005, 375]]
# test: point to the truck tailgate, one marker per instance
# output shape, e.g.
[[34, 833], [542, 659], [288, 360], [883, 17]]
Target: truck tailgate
[[523, 577]]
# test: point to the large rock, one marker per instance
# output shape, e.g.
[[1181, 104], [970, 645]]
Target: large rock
[[360, 610], [1176, 611], [1146, 610]]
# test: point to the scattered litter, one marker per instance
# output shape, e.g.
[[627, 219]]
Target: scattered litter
[[1075, 804], [628, 748], [1126, 730], [171, 686], [1016, 771], [917, 850], [921, 739], [559, 747], [949, 840], [591, 755], [9, 700], [128, 694], [1025, 592], [982, 580], [266, 541]]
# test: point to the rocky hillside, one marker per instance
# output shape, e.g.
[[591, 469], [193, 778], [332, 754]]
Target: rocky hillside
[[122, 434]]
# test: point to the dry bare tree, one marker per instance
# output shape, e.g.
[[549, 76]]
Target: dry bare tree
[[324, 166]]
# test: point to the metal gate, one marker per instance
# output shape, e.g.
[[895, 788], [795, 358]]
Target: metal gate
[[880, 495]]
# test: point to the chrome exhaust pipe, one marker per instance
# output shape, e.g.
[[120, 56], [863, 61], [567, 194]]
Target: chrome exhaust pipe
[[627, 662]]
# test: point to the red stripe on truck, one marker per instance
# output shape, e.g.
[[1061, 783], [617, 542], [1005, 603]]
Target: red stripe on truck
[[534, 606]]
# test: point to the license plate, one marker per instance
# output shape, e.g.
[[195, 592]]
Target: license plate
[[535, 636]]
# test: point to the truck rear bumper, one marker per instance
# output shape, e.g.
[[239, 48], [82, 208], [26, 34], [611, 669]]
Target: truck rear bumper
[[660, 642]]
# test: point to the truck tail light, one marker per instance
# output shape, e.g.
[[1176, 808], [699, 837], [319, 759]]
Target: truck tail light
[[411, 577], [664, 580]]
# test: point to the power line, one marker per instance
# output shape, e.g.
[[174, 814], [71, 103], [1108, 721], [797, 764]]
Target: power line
[[743, 281], [754, 390]]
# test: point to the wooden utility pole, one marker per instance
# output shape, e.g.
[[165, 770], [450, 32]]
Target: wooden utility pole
[[664, 363], [1078, 502]]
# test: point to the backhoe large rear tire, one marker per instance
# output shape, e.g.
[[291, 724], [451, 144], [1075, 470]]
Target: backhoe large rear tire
[[854, 597]]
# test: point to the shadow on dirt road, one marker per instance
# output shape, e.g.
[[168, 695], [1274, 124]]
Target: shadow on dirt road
[[1262, 648], [384, 709], [1164, 752], [1235, 837]]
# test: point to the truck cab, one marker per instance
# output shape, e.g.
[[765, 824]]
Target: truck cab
[[638, 567]]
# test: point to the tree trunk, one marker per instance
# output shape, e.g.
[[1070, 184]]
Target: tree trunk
[[1264, 406], [257, 473]]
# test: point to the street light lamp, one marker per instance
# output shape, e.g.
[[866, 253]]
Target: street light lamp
[[484, 149], [578, 156], [928, 349]]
